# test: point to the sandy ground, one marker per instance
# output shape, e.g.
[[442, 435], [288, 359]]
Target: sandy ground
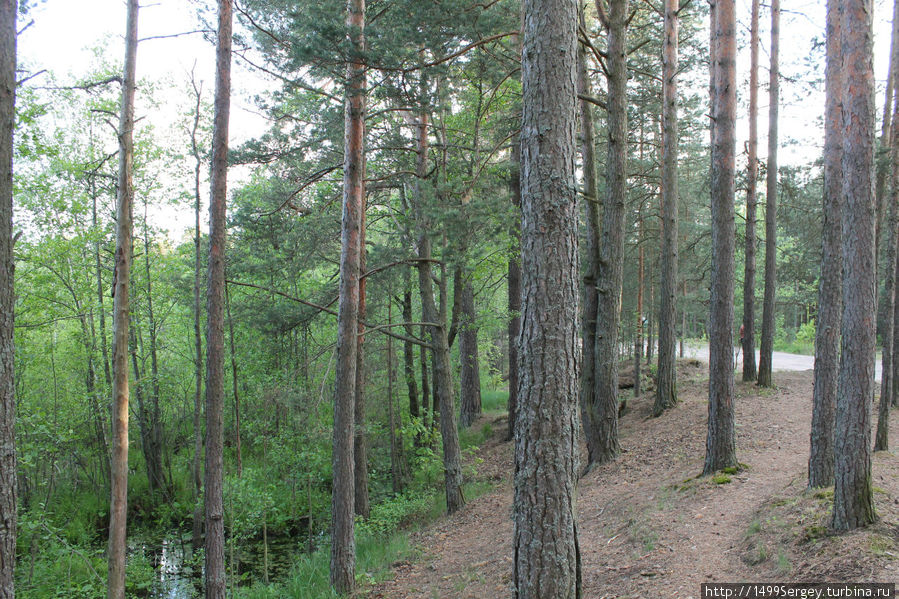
[[648, 527]]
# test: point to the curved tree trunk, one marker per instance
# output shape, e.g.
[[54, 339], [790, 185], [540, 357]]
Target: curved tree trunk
[[215, 315], [827, 329], [750, 372], [602, 417], [343, 545], [546, 554], [853, 504], [8, 12], [666, 387], [118, 507], [721, 442], [767, 347]]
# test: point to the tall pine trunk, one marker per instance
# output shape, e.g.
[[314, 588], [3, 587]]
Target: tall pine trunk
[[666, 388], [602, 416], [343, 546], [546, 554], [721, 442], [750, 372], [827, 329], [215, 314], [8, 12], [767, 346], [118, 507], [853, 504]]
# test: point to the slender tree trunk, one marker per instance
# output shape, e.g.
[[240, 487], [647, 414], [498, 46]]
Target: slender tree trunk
[[235, 386], [666, 387], [118, 506], [750, 372], [602, 416], [883, 158], [853, 504], [444, 402], [881, 439], [360, 445], [157, 481], [587, 390], [8, 12], [721, 442], [638, 316], [514, 287], [767, 347], [895, 362], [428, 417], [100, 291], [397, 460], [885, 317], [343, 547], [215, 318], [143, 414], [470, 373], [546, 553], [408, 348], [196, 468], [827, 329]]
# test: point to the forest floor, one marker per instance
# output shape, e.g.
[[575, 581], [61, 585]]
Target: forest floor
[[648, 527]]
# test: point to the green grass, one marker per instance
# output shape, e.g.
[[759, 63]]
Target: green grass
[[494, 401]]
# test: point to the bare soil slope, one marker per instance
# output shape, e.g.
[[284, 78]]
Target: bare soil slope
[[649, 528]]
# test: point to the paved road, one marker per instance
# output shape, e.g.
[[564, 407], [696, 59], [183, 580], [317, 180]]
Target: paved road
[[782, 360]]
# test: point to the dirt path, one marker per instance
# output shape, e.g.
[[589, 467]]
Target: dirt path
[[649, 528]]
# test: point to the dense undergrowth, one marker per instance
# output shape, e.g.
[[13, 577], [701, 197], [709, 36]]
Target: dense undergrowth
[[61, 547]]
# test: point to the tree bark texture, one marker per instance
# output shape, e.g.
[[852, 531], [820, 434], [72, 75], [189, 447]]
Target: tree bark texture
[[546, 554], [118, 506], [721, 443], [830, 302], [215, 314], [470, 373], [602, 416], [666, 387], [8, 494], [343, 544], [750, 371], [768, 307], [853, 504]]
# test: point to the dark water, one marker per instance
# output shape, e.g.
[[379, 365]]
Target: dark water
[[179, 574]]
